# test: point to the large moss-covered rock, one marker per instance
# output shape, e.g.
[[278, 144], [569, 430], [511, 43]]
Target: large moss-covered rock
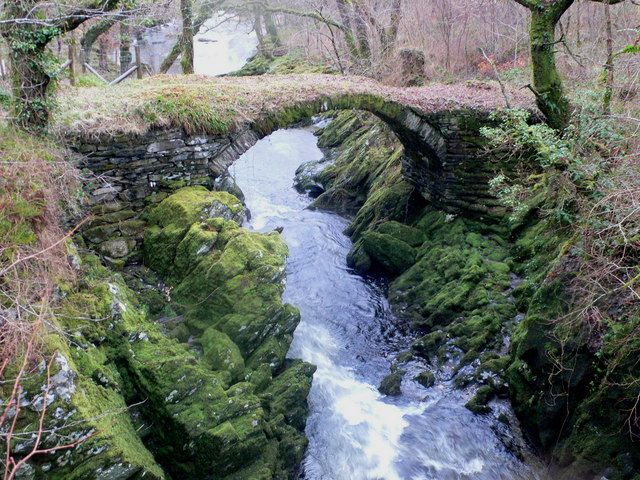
[[172, 218], [391, 384], [85, 402], [366, 178], [458, 286], [227, 283], [386, 252], [220, 353]]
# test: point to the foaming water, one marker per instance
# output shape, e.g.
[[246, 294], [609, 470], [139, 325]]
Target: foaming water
[[349, 332]]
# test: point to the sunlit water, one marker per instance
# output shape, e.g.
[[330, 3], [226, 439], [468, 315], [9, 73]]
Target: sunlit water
[[222, 45], [349, 332]]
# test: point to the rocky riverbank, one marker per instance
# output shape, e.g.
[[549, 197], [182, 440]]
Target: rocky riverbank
[[203, 390], [482, 295]]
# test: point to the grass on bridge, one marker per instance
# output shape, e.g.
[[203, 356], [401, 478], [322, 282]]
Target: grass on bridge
[[203, 104]]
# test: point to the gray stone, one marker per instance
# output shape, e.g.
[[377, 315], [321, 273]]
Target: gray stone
[[165, 145], [116, 248]]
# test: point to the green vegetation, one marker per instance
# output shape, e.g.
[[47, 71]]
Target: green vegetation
[[5, 98], [571, 376], [290, 63], [227, 283], [219, 105]]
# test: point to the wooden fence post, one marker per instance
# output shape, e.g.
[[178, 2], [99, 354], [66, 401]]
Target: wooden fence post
[[72, 63], [2, 72], [138, 62], [83, 68]]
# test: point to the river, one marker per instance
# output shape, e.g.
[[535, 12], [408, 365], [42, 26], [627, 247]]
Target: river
[[349, 332]]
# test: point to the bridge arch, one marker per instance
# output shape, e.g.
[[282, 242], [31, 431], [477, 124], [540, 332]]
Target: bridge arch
[[444, 157]]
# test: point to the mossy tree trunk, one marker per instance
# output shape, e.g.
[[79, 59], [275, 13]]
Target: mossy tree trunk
[[92, 34], [345, 16], [27, 31], [547, 82], [362, 33], [30, 81], [188, 32]]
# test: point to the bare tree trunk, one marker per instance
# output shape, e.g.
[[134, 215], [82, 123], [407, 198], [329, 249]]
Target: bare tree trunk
[[257, 27], [608, 66], [396, 17], [345, 17], [102, 55], [272, 30], [186, 9], [2, 71], [125, 47]]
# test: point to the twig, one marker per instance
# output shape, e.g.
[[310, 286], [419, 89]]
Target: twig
[[495, 70]]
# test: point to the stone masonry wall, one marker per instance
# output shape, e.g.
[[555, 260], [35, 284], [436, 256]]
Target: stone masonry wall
[[444, 160]]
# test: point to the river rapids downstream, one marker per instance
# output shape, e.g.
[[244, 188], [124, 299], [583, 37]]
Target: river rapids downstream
[[350, 333]]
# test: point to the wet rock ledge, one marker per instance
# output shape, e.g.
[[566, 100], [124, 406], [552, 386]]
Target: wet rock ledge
[[183, 376]]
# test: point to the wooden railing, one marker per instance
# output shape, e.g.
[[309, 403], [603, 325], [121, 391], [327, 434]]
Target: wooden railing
[[71, 65]]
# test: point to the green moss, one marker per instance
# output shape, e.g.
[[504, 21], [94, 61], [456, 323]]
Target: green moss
[[391, 384], [429, 344], [95, 407], [409, 235], [173, 218], [392, 255], [344, 124], [426, 378], [220, 353], [288, 392], [366, 177], [190, 204], [228, 284], [281, 65], [479, 403], [457, 286]]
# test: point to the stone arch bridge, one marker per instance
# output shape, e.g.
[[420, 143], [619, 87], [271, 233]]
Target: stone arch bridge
[[140, 154]]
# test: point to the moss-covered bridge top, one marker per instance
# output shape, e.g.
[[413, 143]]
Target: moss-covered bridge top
[[202, 104]]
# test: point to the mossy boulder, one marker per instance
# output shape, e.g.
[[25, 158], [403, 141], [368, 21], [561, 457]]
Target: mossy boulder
[[171, 219], [459, 285], [390, 254], [480, 401], [409, 235], [305, 180], [366, 178], [287, 394], [426, 378], [227, 283], [392, 383]]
